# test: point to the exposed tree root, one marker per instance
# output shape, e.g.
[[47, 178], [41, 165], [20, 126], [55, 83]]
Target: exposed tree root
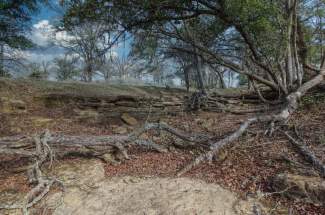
[[290, 107], [63, 145], [43, 184], [43, 148], [214, 103], [217, 146]]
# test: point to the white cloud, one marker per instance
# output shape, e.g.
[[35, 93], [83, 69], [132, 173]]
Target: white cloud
[[62, 36], [42, 24], [41, 56], [43, 34]]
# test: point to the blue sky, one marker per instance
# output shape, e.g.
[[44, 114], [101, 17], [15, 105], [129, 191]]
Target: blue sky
[[42, 27], [45, 13]]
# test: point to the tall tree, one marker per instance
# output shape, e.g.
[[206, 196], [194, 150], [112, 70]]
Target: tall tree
[[65, 68], [15, 16], [93, 31]]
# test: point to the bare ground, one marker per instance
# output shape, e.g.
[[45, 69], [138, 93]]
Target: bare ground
[[244, 168]]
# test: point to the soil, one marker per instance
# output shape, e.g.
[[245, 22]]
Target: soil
[[93, 193], [244, 168]]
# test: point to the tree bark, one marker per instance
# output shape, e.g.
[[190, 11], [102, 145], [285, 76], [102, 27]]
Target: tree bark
[[199, 76], [64, 145], [2, 71]]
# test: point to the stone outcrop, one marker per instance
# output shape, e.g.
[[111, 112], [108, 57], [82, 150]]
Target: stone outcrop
[[129, 119], [8, 105], [89, 192], [115, 106]]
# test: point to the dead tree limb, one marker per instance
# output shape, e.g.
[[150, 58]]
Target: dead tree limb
[[43, 148], [217, 146], [290, 107], [307, 154], [63, 145]]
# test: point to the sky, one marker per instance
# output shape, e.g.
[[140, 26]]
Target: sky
[[42, 34]]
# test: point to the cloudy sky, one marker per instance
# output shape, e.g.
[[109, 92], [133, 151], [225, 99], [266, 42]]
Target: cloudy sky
[[42, 35]]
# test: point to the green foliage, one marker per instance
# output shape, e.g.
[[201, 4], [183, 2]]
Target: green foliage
[[14, 21]]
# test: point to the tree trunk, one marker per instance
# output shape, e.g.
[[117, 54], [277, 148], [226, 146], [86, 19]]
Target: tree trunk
[[283, 115], [199, 76], [2, 71], [187, 78], [88, 73]]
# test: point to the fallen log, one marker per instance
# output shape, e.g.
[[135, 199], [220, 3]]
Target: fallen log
[[64, 145]]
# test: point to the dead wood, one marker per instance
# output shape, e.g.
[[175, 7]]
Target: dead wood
[[290, 107], [43, 183], [44, 148], [64, 145], [307, 154], [217, 146], [215, 103]]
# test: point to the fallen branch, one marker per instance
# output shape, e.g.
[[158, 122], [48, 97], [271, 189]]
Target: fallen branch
[[44, 147], [290, 107], [217, 146], [308, 155], [64, 145]]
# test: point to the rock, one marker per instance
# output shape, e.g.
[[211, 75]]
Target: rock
[[251, 206], [133, 195], [83, 172], [127, 104], [17, 104], [175, 99], [129, 119], [222, 156], [171, 104], [9, 197], [304, 188], [87, 115], [40, 121], [120, 130], [12, 105], [110, 159], [87, 191]]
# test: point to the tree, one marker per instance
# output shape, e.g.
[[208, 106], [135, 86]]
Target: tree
[[39, 71], [93, 30], [266, 41], [65, 68], [89, 42], [15, 16]]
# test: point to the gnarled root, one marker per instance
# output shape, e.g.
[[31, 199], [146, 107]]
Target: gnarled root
[[43, 153]]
